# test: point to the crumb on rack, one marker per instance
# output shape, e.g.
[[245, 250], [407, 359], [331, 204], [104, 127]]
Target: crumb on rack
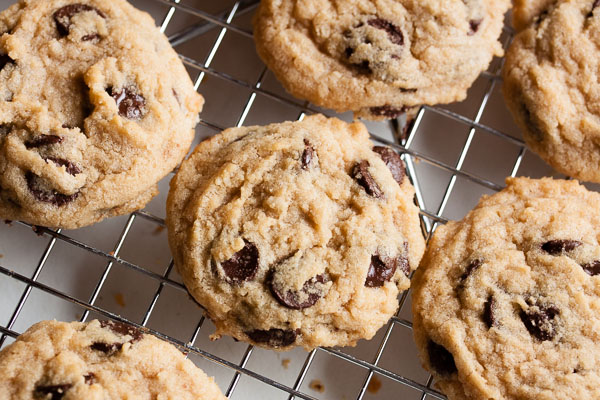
[[317, 386], [120, 299], [1, 255], [285, 363], [159, 229], [374, 385]]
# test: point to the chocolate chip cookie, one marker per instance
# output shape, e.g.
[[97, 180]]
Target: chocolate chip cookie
[[506, 301], [98, 360], [378, 58], [551, 86], [295, 234], [95, 108]]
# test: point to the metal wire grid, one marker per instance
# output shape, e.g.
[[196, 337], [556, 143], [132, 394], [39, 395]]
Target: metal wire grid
[[429, 219]]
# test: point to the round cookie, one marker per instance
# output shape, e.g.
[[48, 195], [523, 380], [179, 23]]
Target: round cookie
[[98, 360], [295, 234], [506, 302], [95, 108], [551, 87], [378, 58]]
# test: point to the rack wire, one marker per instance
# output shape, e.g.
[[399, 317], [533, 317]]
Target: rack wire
[[444, 176]]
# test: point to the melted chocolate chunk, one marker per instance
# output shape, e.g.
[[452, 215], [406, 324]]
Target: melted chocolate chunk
[[592, 268], [47, 196], [107, 348], [489, 312], [273, 337], [474, 26], [393, 162], [382, 269], [594, 5], [558, 246], [394, 33], [130, 104], [69, 166], [62, 16], [5, 59], [90, 378], [472, 267], [441, 359], [387, 111], [363, 67], [534, 128], [307, 154], [243, 265], [56, 392], [121, 328], [539, 321], [292, 299], [43, 140], [363, 177], [91, 37]]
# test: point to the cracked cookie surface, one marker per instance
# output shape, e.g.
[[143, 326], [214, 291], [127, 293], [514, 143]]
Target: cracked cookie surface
[[506, 301], [95, 108], [378, 58], [295, 234], [551, 85], [98, 360]]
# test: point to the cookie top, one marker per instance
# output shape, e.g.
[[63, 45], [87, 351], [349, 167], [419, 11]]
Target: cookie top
[[378, 58], [95, 108], [98, 360], [551, 86], [506, 302], [295, 233]]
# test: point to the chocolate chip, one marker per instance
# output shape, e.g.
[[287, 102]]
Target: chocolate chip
[[310, 293], [69, 166], [387, 111], [90, 378], [558, 246], [394, 33], [363, 177], [594, 5], [273, 337], [393, 162], [107, 348], [37, 189], [243, 265], [56, 392], [363, 67], [62, 16], [592, 268], [131, 105], [307, 154], [43, 140], [441, 359], [472, 267], [474, 26], [176, 96], [489, 312], [538, 321], [121, 328], [382, 269], [5, 59]]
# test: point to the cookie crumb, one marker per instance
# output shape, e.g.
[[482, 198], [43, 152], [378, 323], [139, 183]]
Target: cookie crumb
[[1, 255], [285, 363], [374, 385], [317, 386], [159, 229], [120, 299]]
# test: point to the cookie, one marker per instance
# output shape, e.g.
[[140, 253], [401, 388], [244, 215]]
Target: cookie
[[527, 12], [95, 108], [551, 87], [506, 301], [378, 58], [98, 360], [295, 234]]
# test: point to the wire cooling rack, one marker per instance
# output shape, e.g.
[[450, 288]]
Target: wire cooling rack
[[121, 268]]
